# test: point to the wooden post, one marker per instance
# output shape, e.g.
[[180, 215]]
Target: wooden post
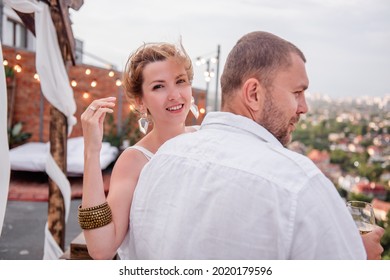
[[59, 125], [56, 207], [58, 121], [11, 100]]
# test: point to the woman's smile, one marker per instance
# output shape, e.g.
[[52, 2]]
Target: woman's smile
[[175, 108]]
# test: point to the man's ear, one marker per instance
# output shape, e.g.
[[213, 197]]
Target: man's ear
[[253, 95]]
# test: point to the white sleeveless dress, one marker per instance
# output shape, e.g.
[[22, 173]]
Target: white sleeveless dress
[[124, 248], [148, 154]]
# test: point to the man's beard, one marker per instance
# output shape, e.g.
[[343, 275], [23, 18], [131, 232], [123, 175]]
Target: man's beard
[[275, 121]]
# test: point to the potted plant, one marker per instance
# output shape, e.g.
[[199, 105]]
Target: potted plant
[[9, 74], [16, 135]]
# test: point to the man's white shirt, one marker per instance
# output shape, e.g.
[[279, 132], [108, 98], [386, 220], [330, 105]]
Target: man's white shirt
[[232, 191]]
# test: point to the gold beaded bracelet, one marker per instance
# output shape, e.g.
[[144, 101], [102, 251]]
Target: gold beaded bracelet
[[94, 217]]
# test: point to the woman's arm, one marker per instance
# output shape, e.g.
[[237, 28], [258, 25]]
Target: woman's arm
[[103, 242]]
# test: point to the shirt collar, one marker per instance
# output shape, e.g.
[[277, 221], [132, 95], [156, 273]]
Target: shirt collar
[[239, 122]]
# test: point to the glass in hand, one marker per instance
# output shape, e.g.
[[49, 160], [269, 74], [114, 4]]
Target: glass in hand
[[363, 215]]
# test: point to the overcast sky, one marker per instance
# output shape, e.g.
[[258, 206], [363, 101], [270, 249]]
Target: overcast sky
[[346, 42]]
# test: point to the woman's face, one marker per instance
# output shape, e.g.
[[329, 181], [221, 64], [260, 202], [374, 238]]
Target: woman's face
[[166, 92]]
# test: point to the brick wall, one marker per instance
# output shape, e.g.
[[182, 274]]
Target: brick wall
[[31, 108]]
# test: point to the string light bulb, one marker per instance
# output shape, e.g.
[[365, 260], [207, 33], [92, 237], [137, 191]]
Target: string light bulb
[[111, 74], [18, 68], [93, 83], [85, 95], [36, 76], [5, 62], [118, 82], [88, 71], [18, 56], [73, 83]]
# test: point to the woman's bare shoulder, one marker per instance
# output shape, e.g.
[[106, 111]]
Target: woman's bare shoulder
[[192, 128], [130, 159]]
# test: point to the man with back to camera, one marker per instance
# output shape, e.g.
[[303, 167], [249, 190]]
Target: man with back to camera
[[232, 190]]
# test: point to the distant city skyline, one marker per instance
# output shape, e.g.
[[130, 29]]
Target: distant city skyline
[[346, 42]]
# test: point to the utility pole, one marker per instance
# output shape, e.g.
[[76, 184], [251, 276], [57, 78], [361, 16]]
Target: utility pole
[[207, 81], [119, 116], [210, 74], [217, 79]]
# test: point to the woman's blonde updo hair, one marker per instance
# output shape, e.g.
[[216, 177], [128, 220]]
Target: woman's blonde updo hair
[[148, 53]]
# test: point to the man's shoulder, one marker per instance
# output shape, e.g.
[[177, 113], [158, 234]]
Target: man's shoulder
[[284, 167], [179, 142], [298, 161]]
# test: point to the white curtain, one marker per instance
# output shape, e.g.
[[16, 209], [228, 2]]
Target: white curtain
[[56, 89], [4, 153]]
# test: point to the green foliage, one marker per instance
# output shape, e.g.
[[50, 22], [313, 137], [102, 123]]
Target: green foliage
[[385, 241], [314, 134], [9, 72], [16, 136], [371, 171], [387, 196], [342, 192], [129, 130], [338, 157], [347, 161], [359, 196], [367, 142]]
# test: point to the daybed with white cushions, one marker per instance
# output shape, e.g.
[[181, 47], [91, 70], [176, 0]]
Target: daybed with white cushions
[[32, 156]]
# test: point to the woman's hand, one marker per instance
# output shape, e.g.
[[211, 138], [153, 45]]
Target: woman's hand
[[92, 122]]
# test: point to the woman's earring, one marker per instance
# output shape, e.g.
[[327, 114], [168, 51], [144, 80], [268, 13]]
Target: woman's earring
[[143, 123], [194, 109]]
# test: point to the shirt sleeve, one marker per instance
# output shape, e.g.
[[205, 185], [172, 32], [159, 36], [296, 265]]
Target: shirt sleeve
[[323, 228]]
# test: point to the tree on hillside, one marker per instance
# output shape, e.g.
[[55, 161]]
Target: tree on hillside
[[385, 241]]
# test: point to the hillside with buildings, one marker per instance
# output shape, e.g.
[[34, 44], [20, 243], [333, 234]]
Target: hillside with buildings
[[349, 140]]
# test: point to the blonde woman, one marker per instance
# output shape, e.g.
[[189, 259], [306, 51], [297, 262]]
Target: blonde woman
[[158, 78]]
